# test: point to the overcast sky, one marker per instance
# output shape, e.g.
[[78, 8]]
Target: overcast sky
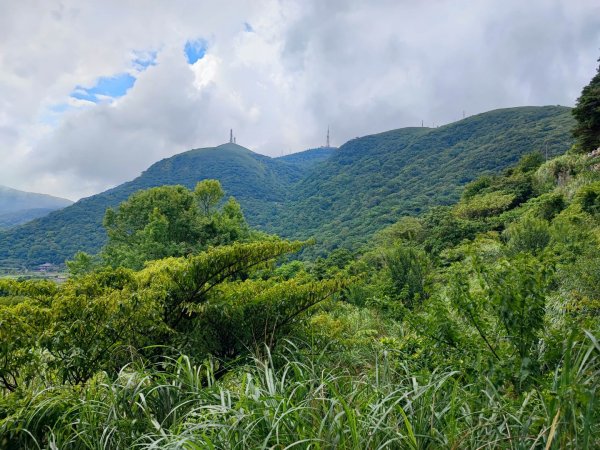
[[93, 92]]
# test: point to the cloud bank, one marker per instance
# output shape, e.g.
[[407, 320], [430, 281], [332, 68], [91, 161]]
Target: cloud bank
[[91, 93]]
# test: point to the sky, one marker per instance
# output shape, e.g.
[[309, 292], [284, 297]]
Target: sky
[[93, 93]]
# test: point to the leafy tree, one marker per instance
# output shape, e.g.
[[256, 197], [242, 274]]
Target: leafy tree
[[151, 224], [587, 114], [82, 263], [209, 193], [170, 221]]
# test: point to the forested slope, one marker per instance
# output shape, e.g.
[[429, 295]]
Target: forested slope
[[258, 182], [341, 197], [371, 181]]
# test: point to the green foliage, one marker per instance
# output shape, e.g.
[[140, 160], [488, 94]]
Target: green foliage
[[209, 193], [444, 229], [589, 198], [170, 221], [151, 224], [485, 205], [408, 269], [82, 263], [98, 323], [587, 114], [448, 330], [20, 326], [529, 234], [505, 304], [250, 314], [556, 172], [546, 206], [340, 197]]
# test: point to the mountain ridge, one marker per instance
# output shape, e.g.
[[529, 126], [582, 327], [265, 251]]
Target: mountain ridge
[[340, 196], [18, 207]]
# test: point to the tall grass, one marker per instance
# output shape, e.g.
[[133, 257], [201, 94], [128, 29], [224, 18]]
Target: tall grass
[[301, 400]]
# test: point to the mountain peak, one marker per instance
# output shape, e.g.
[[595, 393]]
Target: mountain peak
[[233, 146]]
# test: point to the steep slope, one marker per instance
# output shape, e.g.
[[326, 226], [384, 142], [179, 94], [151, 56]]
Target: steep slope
[[371, 181], [258, 182], [340, 198]]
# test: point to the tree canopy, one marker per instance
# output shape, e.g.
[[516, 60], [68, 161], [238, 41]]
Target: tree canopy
[[171, 221], [587, 114]]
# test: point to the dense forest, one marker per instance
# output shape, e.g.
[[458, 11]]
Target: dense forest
[[339, 197], [470, 325]]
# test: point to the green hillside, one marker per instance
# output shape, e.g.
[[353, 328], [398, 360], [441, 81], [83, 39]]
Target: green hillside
[[338, 196], [258, 182], [371, 181], [306, 159]]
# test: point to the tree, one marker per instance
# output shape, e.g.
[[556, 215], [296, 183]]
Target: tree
[[151, 224], [408, 268], [587, 114], [171, 221], [209, 193]]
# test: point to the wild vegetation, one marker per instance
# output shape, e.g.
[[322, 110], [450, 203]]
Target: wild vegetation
[[339, 197], [471, 325]]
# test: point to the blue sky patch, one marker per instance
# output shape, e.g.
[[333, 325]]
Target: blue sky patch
[[248, 28], [115, 86], [142, 60], [195, 50]]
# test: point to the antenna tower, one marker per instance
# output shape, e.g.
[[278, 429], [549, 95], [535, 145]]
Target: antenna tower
[[231, 135], [327, 145]]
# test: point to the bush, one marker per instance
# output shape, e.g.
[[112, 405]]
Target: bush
[[530, 235], [485, 205], [408, 269]]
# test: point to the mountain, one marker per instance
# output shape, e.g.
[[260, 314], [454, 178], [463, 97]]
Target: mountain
[[371, 181], [18, 207], [12, 200], [338, 196], [258, 182], [12, 219], [306, 159]]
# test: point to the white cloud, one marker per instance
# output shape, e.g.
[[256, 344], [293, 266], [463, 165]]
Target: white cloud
[[278, 72]]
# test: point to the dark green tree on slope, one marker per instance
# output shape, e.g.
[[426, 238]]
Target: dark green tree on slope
[[587, 114]]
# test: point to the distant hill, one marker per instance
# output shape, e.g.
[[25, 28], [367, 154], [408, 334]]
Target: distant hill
[[17, 207], [338, 196], [371, 181], [12, 200], [12, 219]]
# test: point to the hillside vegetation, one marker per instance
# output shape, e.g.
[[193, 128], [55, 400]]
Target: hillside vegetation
[[469, 326], [371, 181], [258, 182], [340, 197], [474, 324]]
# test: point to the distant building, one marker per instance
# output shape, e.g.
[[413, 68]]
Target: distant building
[[46, 267]]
